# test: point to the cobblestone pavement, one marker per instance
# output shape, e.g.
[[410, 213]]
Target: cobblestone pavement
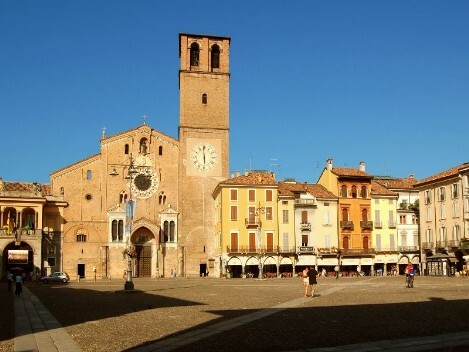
[[258, 315]]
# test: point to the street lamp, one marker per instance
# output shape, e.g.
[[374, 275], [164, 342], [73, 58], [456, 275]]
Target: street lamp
[[129, 285], [259, 210]]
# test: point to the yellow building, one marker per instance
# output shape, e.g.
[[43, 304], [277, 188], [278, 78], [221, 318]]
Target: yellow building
[[384, 238], [246, 228]]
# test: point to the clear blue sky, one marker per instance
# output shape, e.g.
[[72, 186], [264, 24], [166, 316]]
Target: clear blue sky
[[386, 82]]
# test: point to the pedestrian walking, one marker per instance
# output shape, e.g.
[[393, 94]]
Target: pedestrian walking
[[304, 275], [312, 282], [10, 280], [336, 270], [19, 283]]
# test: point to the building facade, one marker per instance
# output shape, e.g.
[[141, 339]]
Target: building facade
[[148, 195], [31, 228], [444, 219]]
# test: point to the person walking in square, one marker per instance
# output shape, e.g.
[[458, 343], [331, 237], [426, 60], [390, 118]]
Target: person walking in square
[[10, 280], [18, 282], [312, 282], [305, 280]]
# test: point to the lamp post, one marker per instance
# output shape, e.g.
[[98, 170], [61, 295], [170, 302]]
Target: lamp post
[[259, 210], [129, 285]]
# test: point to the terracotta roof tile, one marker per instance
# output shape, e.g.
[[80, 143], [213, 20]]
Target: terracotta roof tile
[[28, 187], [289, 188], [351, 172], [443, 175], [378, 189], [397, 183], [258, 178]]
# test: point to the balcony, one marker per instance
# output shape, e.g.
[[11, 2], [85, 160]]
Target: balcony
[[355, 251], [286, 249], [452, 243], [305, 201], [251, 250], [385, 249], [327, 250], [392, 224], [427, 245], [408, 248], [346, 225], [366, 225], [378, 224], [440, 244], [305, 226], [306, 249], [252, 223]]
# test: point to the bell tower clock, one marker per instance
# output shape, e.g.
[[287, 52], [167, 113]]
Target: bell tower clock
[[204, 78]]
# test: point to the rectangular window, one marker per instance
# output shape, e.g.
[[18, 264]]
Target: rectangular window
[[81, 237], [378, 242], [442, 211], [285, 216], [234, 242], [270, 241], [455, 208], [51, 261], [441, 194], [442, 234], [326, 217], [429, 213], [234, 213], [304, 240], [252, 241], [457, 233], [268, 213], [304, 217], [252, 215], [268, 195], [416, 238], [404, 239], [234, 194], [429, 235], [454, 191], [284, 202], [285, 241], [392, 243], [428, 197], [252, 195], [327, 241], [402, 219], [392, 220]]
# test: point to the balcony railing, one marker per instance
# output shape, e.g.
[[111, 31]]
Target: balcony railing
[[440, 244], [346, 225], [392, 224], [385, 249], [306, 249], [305, 201], [358, 251], [305, 226], [328, 250], [378, 224], [366, 225], [408, 248], [251, 249], [427, 245], [452, 243], [286, 249]]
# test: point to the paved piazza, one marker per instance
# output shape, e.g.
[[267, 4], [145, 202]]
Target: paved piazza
[[255, 315]]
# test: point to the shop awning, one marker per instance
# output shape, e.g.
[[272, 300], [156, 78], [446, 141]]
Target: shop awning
[[350, 261], [234, 261], [306, 260], [285, 261], [327, 261]]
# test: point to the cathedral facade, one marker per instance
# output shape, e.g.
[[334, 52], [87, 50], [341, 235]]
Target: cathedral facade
[[147, 195]]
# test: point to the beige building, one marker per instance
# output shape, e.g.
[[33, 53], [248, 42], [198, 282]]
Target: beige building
[[149, 193], [444, 220]]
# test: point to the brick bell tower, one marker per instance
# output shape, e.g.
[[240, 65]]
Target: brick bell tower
[[204, 78]]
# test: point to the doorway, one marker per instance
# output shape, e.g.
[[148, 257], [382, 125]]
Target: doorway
[[81, 271]]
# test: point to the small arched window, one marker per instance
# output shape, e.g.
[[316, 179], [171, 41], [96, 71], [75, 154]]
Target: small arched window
[[88, 175], [126, 149], [172, 228], [343, 191], [204, 99], [114, 230], [120, 230], [354, 191], [162, 198], [344, 214], [195, 50], [122, 197], [363, 192], [364, 215], [215, 56]]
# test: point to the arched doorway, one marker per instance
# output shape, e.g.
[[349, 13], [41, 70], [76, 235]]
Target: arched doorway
[[142, 239]]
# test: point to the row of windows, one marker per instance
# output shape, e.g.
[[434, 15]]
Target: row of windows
[[455, 209], [353, 192], [441, 193], [442, 234], [252, 195]]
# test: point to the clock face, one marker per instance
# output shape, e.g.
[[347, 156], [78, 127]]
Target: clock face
[[204, 156], [144, 183]]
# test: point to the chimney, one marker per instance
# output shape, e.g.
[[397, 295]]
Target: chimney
[[238, 173], [329, 164], [411, 176], [246, 173], [232, 174], [362, 166], [103, 134]]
